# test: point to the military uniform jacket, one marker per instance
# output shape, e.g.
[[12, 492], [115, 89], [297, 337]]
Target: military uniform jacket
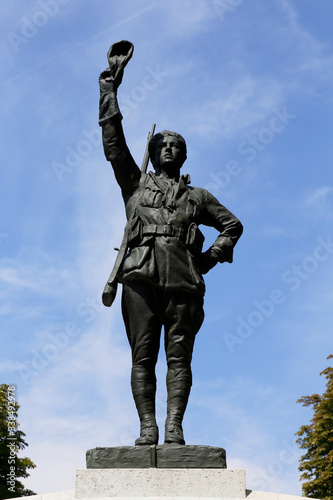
[[162, 238]]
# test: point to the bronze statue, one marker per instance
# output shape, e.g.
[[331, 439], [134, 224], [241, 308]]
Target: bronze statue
[[160, 262]]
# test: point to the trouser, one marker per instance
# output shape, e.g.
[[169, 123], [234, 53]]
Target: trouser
[[145, 310]]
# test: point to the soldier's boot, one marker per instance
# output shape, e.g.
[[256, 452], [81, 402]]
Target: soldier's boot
[[144, 390], [179, 388], [148, 431]]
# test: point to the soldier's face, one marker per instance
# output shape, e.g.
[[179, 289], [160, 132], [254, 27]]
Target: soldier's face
[[169, 153]]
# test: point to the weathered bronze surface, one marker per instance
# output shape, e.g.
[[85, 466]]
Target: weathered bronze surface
[[160, 263], [162, 457]]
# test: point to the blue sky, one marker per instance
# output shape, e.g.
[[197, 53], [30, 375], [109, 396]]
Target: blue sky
[[249, 85]]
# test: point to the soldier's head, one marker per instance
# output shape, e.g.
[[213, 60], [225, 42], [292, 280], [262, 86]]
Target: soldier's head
[[167, 150]]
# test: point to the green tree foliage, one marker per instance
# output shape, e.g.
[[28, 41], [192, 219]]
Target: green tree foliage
[[316, 465], [12, 441]]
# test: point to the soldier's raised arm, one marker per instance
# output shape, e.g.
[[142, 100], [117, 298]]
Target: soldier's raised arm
[[115, 148]]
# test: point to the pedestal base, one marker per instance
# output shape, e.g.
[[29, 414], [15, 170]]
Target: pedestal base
[[157, 483]]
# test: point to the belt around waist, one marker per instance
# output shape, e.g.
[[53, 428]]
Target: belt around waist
[[166, 230]]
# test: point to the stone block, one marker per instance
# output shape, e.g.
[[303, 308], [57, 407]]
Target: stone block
[[159, 483]]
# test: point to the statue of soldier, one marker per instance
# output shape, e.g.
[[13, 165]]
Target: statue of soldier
[[160, 262]]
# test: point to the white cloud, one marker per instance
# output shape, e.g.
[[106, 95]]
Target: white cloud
[[240, 413], [80, 399], [186, 19], [33, 277], [33, 286], [311, 51], [274, 232], [320, 202], [9, 366], [237, 107]]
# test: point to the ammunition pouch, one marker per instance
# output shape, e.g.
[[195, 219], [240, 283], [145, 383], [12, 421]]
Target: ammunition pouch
[[194, 239]]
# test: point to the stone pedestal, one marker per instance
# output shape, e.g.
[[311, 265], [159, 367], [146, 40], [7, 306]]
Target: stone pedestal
[[166, 472], [163, 484], [159, 483]]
